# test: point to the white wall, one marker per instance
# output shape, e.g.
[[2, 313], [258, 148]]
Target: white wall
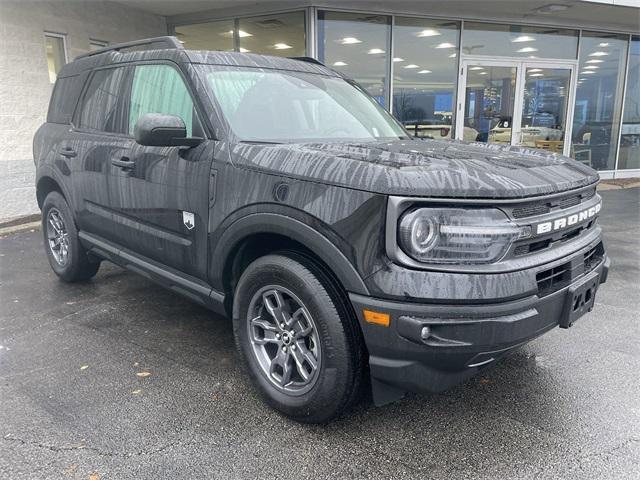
[[24, 78]]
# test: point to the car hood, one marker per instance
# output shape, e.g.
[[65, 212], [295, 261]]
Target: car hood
[[432, 168]]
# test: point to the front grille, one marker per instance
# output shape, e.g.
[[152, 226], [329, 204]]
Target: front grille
[[593, 257], [542, 208], [553, 279], [530, 210]]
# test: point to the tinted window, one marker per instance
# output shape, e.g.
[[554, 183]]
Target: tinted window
[[100, 107], [64, 98], [160, 89]]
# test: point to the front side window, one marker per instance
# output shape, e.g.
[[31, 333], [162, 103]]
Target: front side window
[[279, 106], [100, 106], [160, 89]]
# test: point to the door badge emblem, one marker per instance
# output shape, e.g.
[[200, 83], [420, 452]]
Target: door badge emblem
[[189, 220]]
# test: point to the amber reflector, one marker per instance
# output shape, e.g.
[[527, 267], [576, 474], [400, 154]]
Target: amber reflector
[[376, 317]]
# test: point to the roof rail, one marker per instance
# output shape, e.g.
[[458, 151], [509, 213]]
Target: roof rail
[[162, 42], [308, 60]]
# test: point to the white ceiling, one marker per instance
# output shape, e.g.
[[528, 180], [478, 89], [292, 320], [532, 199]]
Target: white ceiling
[[587, 14]]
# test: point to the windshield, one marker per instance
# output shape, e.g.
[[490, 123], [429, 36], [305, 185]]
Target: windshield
[[284, 106]]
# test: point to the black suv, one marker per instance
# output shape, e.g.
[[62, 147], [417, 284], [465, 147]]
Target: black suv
[[279, 193]]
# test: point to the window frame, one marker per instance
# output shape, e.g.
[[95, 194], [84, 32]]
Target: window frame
[[125, 89], [63, 36]]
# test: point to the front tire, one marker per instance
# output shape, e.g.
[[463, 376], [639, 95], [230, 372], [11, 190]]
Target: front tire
[[298, 337], [67, 257]]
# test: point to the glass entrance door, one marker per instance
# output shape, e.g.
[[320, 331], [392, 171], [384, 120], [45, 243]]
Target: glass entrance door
[[489, 103], [515, 103], [545, 101]]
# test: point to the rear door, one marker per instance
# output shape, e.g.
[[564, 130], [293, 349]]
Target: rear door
[[99, 135], [163, 196]]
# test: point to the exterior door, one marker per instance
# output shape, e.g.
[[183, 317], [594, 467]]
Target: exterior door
[[516, 102], [161, 195]]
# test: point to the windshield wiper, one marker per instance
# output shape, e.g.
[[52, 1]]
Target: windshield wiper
[[259, 142]]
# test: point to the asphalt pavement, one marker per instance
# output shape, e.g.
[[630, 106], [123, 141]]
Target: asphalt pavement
[[118, 378]]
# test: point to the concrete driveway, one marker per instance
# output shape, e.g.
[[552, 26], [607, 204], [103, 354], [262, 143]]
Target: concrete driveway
[[118, 378]]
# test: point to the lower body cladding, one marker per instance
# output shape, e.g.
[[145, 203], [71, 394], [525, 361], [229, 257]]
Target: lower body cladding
[[430, 347]]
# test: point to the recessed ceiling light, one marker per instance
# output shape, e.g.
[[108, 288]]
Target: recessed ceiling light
[[534, 70], [429, 32], [482, 73], [591, 67], [339, 64], [587, 72], [375, 51], [445, 45], [398, 59], [598, 54], [595, 60], [424, 71], [242, 34], [453, 55], [537, 75], [244, 50], [523, 38], [350, 40], [282, 46], [412, 65], [582, 79], [476, 68], [603, 44], [527, 50]]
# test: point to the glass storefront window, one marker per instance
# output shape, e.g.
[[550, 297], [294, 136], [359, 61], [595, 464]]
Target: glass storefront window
[[519, 41], [281, 35], [357, 44], [425, 71], [56, 57], [207, 36], [629, 156], [596, 117]]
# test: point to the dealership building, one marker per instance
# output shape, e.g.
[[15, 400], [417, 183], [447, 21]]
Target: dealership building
[[561, 76]]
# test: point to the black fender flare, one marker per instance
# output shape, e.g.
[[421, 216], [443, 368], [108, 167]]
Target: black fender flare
[[46, 171], [294, 229]]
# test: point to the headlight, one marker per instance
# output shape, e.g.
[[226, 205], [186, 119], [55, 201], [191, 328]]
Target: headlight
[[456, 235]]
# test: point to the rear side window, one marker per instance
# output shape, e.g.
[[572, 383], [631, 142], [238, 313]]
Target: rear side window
[[102, 107], [64, 99], [160, 89]]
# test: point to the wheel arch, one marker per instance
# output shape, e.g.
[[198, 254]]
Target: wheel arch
[[258, 234], [47, 183]]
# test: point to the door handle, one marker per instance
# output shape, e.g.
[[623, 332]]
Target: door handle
[[123, 163], [68, 152]]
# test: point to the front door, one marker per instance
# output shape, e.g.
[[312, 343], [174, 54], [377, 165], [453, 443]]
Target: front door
[[161, 193], [516, 102]]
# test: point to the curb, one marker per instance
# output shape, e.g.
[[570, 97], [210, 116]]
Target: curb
[[23, 227]]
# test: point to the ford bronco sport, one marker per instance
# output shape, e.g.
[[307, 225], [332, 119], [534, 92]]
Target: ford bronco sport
[[279, 193]]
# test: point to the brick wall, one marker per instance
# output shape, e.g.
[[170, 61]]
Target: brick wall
[[24, 78]]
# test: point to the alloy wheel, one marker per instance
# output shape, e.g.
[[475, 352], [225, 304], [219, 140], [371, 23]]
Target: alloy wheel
[[284, 339], [58, 237]]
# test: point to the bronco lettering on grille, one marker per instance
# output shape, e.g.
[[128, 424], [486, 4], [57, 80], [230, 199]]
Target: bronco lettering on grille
[[568, 220]]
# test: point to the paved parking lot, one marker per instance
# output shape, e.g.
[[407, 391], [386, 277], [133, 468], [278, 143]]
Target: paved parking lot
[[118, 378]]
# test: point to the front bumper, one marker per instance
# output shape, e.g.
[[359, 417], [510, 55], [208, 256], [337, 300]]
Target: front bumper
[[434, 346]]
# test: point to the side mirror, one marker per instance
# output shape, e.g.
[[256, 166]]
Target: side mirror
[[161, 130]]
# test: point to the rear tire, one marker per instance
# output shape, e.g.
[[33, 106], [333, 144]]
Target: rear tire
[[67, 257], [297, 337]]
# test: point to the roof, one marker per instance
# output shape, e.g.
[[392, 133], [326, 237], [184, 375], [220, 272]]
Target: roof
[[177, 55]]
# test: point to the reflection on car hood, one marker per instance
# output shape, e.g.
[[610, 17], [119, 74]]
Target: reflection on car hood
[[421, 168]]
